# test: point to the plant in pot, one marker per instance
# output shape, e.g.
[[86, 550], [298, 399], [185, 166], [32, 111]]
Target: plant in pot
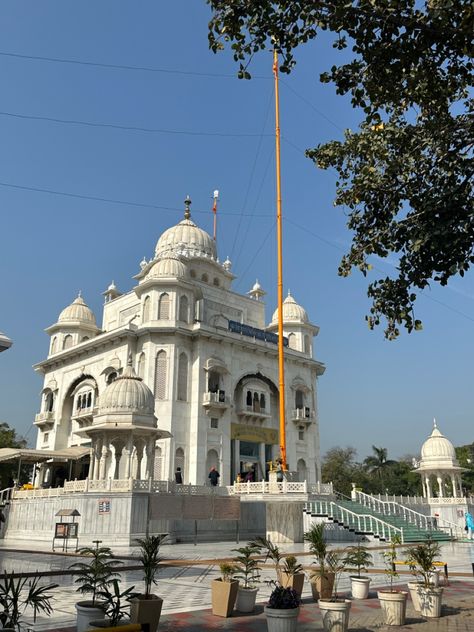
[[360, 558], [321, 579], [116, 605], [425, 595], [393, 602], [145, 608], [224, 591], [18, 594], [272, 552], [282, 609], [246, 571], [335, 610], [292, 574], [92, 578]]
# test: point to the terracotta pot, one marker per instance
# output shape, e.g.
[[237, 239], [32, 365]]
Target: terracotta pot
[[360, 587], [146, 610], [246, 598], [86, 612], [293, 581], [335, 614], [394, 606], [321, 586], [281, 620], [224, 595]]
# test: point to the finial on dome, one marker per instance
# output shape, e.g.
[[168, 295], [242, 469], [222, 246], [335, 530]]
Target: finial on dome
[[187, 204], [129, 361], [79, 294], [434, 423], [143, 263], [227, 265]]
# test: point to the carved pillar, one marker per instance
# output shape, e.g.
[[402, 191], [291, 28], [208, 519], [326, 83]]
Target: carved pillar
[[440, 486], [150, 458], [139, 449], [453, 483], [103, 463], [428, 486]]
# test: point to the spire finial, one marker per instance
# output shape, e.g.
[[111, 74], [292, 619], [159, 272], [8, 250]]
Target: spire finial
[[187, 204], [79, 294], [434, 423], [129, 362]]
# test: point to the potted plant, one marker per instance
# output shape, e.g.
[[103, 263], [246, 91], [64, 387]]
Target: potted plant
[[321, 579], [116, 605], [247, 573], [18, 594], [421, 558], [393, 602], [360, 558], [224, 591], [145, 608], [292, 574], [272, 552], [335, 610], [93, 577], [282, 609]]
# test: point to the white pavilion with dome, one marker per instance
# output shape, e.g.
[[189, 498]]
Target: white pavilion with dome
[[181, 371]]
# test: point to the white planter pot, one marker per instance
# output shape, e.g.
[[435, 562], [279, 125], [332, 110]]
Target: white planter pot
[[246, 599], [430, 601], [335, 615], [394, 606], [360, 587], [86, 613], [415, 597], [281, 620]]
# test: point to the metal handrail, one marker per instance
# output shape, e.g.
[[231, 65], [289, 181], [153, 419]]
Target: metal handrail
[[366, 523]]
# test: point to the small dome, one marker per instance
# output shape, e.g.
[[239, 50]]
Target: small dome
[[437, 447], [167, 267], [127, 394], [292, 312], [77, 311], [186, 236]]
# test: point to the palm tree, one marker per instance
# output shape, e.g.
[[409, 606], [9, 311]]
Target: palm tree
[[378, 464]]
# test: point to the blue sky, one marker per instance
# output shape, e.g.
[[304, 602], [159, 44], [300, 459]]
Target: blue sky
[[200, 128]]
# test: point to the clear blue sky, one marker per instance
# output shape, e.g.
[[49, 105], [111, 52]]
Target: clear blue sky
[[373, 391]]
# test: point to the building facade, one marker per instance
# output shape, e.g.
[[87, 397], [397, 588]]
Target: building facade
[[206, 354]]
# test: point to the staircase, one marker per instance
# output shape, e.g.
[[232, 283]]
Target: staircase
[[378, 522]]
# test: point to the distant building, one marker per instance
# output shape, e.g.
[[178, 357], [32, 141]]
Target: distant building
[[208, 363]]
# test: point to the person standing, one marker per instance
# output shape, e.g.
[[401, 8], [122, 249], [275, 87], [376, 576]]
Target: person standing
[[214, 476], [178, 477], [469, 525]]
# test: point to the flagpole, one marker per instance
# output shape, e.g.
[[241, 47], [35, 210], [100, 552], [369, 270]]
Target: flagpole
[[281, 365], [214, 210]]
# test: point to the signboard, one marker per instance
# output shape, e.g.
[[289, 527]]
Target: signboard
[[254, 434], [61, 530], [226, 508], [198, 507], [104, 505], [72, 530]]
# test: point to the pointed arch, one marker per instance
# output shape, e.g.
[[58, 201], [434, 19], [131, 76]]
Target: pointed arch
[[183, 309], [141, 365], [292, 341], [67, 342], [161, 370], [146, 309], [182, 394], [164, 307]]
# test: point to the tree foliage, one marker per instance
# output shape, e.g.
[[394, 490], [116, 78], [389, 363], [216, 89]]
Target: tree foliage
[[9, 471], [406, 174]]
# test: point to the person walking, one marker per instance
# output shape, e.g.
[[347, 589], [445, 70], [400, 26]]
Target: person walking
[[178, 477], [470, 526], [214, 476]]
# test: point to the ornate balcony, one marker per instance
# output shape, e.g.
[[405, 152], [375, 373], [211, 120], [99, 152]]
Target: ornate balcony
[[84, 416], [253, 414], [215, 403], [44, 420], [303, 415]]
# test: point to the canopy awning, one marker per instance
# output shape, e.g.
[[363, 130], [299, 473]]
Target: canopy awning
[[30, 455]]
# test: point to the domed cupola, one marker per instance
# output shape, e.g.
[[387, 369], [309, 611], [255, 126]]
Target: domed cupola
[[187, 239], [292, 312], [127, 394], [167, 267], [77, 312], [437, 449]]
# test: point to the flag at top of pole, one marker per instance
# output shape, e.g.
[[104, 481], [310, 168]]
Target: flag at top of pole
[[214, 210]]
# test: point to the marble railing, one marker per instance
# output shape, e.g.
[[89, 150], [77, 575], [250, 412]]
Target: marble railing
[[285, 487]]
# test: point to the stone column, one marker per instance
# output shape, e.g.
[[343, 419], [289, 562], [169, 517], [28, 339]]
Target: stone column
[[237, 459], [139, 449], [128, 457], [150, 458], [103, 463], [453, 483], [440, 486], [428, 486]]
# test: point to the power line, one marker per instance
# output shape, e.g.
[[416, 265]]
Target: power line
[[80, 62], [116, 201], [313, 107], [149, 130]]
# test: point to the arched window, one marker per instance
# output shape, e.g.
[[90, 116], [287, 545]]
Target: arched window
[[192, 274], [256, 403], [49, 402], [249, 398], [161, 366], [141, 365], [67, 342], [79, 402], [205, 278], [164, 307], [212, 460], [146, 309], [302, 470], [184, 309], [89, 400], [262, 401], [111, 377], [307, 346], [292, 341], [213, 382], [179, 460], [54, 345], [158, 466], [183, 377], [84, 338], [299, 399], [216, 282]]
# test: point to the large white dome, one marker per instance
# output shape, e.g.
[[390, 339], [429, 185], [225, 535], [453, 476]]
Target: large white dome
[[127, 394], [186, 238], [437, 447], [77, 311], [170, 266], [292, 312]]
